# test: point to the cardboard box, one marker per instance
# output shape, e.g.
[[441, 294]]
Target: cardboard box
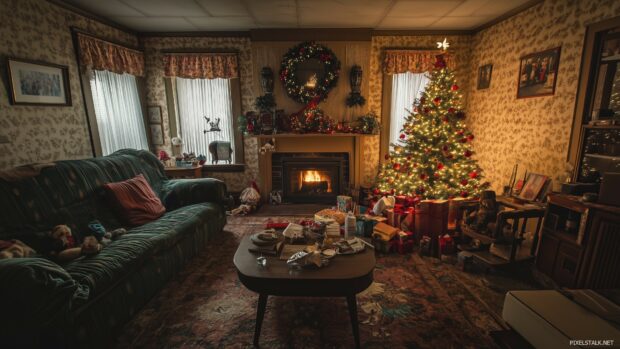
[[384, 231]]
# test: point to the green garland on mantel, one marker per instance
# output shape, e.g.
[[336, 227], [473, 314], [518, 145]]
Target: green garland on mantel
[[307, 50]]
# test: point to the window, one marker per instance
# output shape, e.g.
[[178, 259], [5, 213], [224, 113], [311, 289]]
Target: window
[[118, 111], [197, 98], [406, 88]]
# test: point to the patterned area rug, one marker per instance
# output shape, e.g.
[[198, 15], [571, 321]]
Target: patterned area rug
[[415, 302]]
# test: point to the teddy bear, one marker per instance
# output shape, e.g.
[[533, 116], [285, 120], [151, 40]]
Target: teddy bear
[[15, 249]]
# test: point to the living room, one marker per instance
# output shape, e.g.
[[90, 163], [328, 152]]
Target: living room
[[207, 173]]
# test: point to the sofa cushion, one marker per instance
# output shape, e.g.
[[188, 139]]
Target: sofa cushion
[[101, 271], [136, 202]]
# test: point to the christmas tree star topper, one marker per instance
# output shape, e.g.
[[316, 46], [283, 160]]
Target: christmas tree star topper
[[443, 44]]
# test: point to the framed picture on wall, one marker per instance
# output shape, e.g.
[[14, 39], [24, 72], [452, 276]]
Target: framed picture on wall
[[154, 114], [538, 73], [38, 83], [484, 76], [157, 134]]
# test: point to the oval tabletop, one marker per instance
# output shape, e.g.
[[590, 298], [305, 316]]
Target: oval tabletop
[[345, 274]]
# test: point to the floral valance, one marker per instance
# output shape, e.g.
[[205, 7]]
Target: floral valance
[[202, 65], [413, 61], [99, 54]]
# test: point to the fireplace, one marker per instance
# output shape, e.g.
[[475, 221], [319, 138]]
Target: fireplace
[[310, 177]]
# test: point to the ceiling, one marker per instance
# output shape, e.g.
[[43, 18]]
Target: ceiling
[[233, 15]]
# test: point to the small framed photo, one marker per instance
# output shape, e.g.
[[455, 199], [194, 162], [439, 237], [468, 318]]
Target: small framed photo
[[538, 73], [154, 114], [157, 134], [484, 76], [38, 83]]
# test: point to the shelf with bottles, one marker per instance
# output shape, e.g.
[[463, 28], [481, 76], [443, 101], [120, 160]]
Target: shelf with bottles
[[600, 152]]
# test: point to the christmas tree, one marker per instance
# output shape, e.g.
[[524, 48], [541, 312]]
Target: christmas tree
[[433, 157]]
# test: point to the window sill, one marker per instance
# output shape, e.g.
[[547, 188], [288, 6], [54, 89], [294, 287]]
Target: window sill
[[224, 168]]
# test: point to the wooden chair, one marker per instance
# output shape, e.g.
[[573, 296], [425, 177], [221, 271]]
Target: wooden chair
[[514, 214]]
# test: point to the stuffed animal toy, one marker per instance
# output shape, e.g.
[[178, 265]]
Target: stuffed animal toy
[[486, 214], [102, 235], [63, 234], [90, 246], [15, 249]]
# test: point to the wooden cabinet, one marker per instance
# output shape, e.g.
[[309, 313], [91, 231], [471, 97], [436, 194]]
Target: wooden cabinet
[[582, 256]]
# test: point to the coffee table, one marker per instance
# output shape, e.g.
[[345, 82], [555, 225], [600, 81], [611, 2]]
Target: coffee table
[[346, 276]]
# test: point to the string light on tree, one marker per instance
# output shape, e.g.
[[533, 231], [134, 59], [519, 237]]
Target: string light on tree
[[432, 158]]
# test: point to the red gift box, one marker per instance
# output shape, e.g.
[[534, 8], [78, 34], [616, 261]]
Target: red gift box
[[431, 218], [447, 245], [408, 221]]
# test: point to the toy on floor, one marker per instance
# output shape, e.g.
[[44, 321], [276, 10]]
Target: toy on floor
[[250, 198], [15, 249]]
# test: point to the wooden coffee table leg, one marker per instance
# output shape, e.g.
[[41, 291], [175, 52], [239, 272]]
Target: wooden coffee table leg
[[260, 313], [352, 302]]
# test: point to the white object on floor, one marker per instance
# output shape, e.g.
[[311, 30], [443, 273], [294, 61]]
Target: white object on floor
[[294, 231], [549, 319]]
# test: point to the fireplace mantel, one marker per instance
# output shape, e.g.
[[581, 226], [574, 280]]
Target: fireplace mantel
[[351, 143]]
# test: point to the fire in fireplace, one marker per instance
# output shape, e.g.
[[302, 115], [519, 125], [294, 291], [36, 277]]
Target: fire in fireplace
[[313, 181]]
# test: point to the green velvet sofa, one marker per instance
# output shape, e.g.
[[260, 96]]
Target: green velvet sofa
[[86, 302]]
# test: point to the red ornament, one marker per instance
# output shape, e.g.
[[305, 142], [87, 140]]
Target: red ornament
[[467, 153], [464, 194], [470, 136], [427, 110], [437, 100], [392, 191], [451, 110], [440, 166], [387, 157], [445, 148], [423, 176], [445, 119], [436, 174], [463, 140], [464, 182], [396, 167], [408, 157], [460, 132], [454, 87], [402, 136], [460, 115], [376, 191], [449, 156], [473, 174]]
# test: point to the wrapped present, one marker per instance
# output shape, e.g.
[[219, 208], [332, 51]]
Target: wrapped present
[[396, 215], [400, 199], [364, 226], [344, 203], [454, 212], [385, 246], [408, 220], [384, 231], [447, 244], [431, 219]]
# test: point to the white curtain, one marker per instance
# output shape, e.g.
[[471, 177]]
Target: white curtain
[[406, 88], [117, 108], [197, 98]]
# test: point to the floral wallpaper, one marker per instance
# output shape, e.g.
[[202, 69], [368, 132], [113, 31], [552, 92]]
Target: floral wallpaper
[[39, 30], [460, 48], [533, 132], [156, 92]]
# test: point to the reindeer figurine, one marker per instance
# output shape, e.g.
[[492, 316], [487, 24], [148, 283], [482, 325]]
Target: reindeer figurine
[[214, 125]]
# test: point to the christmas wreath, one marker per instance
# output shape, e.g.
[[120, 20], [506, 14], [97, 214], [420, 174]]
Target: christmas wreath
[[301, 53]]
